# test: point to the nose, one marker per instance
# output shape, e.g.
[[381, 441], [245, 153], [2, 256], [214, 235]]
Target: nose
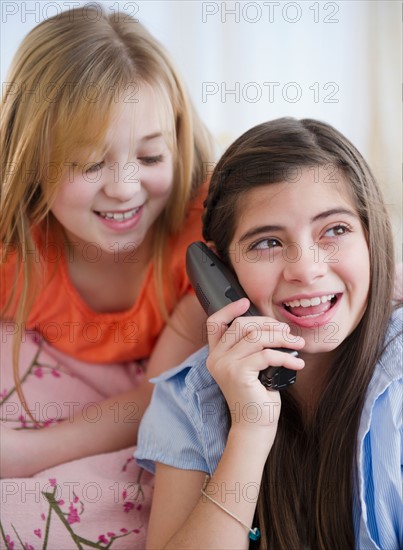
[[304, 264], [123, 181]]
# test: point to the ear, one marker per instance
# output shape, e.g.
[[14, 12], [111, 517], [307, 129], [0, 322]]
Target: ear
[[212, 247]]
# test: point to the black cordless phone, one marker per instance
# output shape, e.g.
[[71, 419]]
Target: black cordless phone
[[216, 286]]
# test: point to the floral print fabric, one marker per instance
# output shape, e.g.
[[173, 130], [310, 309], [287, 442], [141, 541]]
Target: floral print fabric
[[101, 501]]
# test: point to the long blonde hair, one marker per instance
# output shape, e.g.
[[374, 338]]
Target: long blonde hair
[[59, 97]]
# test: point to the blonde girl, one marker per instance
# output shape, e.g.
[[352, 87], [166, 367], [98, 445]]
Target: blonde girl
[[102, 159], [317, 465]]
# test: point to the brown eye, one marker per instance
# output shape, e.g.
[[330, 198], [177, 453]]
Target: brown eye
[[337, 230], [265, 244]]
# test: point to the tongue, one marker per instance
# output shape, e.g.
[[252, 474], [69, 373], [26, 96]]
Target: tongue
[[300, 311]]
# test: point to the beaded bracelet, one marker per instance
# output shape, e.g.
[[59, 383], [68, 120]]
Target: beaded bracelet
[[254, 533]]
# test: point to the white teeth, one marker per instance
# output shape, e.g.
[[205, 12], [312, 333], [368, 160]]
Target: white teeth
[[119, 216], [308, 302]]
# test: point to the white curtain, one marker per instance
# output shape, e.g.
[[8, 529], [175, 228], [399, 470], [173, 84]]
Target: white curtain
[[246, 62]]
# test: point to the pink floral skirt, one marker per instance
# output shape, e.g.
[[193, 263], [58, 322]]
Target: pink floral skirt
[[102, 501]]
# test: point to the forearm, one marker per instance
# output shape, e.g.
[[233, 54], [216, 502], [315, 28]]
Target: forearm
[[235, 485], [113, 423], [107, 426]]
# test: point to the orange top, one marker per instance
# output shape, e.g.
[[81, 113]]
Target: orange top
[[64, 320]]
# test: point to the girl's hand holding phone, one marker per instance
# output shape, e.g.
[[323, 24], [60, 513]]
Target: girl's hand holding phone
[[239, 352]]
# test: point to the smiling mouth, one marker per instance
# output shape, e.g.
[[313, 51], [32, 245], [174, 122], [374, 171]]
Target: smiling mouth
[[311, 307], [118, 216]]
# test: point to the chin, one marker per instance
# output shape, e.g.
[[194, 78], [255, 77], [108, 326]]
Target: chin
[[320, 345]]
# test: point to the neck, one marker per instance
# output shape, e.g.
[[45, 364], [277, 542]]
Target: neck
[[112, 282], [126, 257], [311, 381]]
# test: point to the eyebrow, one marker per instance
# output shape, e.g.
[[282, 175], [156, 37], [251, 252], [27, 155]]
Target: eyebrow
[[269, 228], [152, 136]]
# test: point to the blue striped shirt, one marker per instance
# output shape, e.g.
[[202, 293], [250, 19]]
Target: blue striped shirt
[[186, 427]]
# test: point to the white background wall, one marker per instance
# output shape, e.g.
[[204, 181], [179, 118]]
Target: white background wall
[[246, 62]]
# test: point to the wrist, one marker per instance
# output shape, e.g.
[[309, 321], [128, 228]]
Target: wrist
[[23, 452], [255, 416], [257, 438]]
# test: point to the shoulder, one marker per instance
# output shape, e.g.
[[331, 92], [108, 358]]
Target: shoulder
[[388, 370], [393, 346], [185, 424], [191, 229], [387, 379], [178, 243], [197, 203], [13, 255], [379, 450]]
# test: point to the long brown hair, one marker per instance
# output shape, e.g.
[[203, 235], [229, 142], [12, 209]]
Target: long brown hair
[[306, 494], [60, 96]]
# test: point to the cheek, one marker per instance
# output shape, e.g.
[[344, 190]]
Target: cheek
[[259, 284], [160, 182], [364, 278], [354, 269], [75, 191], [71, 199]]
